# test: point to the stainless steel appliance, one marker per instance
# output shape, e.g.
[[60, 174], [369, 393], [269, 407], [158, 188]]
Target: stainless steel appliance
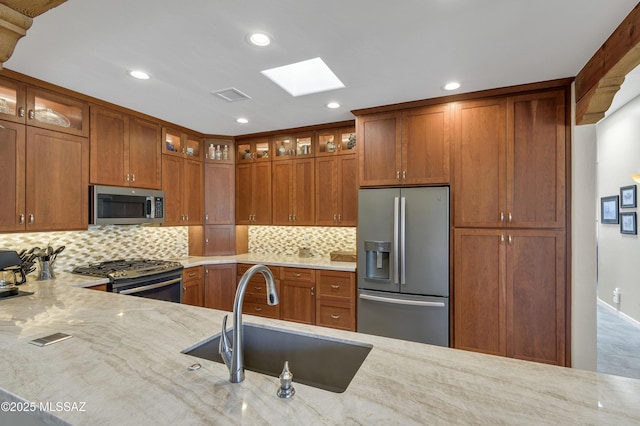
[[153, 279], [403, 263], [113, 205], [11, 273]]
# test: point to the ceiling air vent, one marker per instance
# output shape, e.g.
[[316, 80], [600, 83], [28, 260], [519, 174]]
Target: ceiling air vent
[[231, 95]]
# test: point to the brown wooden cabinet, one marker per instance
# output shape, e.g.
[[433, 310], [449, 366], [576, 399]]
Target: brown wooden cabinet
[[252, 150], [336, 299], [255, 300], [219, 286], [182, 186], [336, 190], [219, 197], [192, 289], [288, 147], [293, 184], [52, 111], [13, 100], [253, 193], [225, 147], [219, 240], [405, 148], [125, 150], [13, 214], [298, 300], [181, 144], [510, 162], [332, 142], [510, 292]]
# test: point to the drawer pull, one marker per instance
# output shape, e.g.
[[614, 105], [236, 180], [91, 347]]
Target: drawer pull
[[257, 309], [192, 274], [335, 286], [257, 288], [334, 316], [297, 275]]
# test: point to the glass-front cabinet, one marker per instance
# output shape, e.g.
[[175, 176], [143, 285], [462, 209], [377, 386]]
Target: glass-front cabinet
[[181, 144], [219, 150], [41, 108], [336, 141], [12, 101], [287, 147], [256, 149]]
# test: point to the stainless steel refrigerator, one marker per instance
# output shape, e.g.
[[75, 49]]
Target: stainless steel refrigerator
[[403, 263]]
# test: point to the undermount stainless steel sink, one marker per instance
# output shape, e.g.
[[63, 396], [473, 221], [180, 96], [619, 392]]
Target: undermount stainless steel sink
[[315, 361]]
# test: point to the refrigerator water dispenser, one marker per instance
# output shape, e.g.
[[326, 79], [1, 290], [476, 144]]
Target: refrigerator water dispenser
[[377, 259]]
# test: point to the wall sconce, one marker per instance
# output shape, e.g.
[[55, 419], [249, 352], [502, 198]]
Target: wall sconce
[[636, 177]]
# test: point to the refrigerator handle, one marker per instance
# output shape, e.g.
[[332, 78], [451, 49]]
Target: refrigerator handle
[[396, 246], [402, 301], [403, 259]]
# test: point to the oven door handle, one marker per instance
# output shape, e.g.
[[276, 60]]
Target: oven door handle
[[150, 286]]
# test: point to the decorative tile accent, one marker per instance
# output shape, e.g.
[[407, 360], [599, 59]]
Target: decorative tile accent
[[105, 242], [286, 239]]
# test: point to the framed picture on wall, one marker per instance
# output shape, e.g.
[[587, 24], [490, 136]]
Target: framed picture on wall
[[628, 196], [628, 223], [609, 208]]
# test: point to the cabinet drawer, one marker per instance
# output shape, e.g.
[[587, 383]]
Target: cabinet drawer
[[257, 278], [335, 315], [336, 284], [189, 274], [298, 274], [253, 306]]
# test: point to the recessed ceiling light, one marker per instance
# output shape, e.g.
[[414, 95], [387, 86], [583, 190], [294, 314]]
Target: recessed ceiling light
[[242, 120], [260, 39], [304, 78], [140, 75], [333, 105], [452, 86]]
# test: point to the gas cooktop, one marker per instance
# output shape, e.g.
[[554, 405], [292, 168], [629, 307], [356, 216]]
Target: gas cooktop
[[127, 268]]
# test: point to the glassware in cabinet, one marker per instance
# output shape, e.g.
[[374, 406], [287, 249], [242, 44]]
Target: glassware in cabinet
[[304, 145], [57, 112], [173, 142], [283, 146]]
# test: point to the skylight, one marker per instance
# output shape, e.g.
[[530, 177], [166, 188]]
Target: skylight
[[304, 78]]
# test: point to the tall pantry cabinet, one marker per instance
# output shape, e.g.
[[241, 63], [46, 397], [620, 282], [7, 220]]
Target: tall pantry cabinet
[[509, 218]]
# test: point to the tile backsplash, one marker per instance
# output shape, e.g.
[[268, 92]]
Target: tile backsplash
[[287, 239], [105, 242]]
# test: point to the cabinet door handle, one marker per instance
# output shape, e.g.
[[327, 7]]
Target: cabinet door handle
[[313, 291], [31, 219], [335, 217], [126, 178], [335, 286], [501, 216], [186, 218], [184, 290], [339, 217], [502, 238], [294, 217], [32, 114], [510, 239], [404, 174], [206, 218], [22, 219], [334, 316], [290, 218], [398, 175], [21, 112], [510, 217], [206, 241], [133, 178], [206, 272], [2, 127]]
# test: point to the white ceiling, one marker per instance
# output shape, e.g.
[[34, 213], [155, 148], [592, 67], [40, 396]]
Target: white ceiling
[[383, 51]]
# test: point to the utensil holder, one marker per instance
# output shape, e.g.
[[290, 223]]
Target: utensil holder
[[46, 270]]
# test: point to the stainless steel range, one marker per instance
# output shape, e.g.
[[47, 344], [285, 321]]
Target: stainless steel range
[[153, 279]]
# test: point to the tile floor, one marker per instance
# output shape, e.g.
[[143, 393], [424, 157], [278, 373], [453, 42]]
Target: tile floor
[[618, 344]]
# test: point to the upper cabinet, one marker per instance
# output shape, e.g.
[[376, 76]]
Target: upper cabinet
[[219, 150], [336, 141], [293, 192], [510, 160], [253, 194], [405, 148], [125, 150], [336, 190], [181, 144], [250, 150], [36, 107], [294, 146]]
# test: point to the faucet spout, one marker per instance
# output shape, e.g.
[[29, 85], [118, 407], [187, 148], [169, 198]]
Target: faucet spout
[[232, 352]]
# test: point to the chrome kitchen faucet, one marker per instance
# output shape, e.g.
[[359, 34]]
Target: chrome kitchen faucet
[[232, 353]]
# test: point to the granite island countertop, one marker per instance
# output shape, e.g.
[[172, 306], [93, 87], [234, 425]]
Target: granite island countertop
[[124, 363]]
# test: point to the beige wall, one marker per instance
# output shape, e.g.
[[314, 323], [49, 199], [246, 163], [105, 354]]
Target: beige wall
[[618, 139], [583, 243]]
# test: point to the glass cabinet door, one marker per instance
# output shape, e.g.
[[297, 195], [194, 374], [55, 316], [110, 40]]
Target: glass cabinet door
[[347, 138], [304, 145], [56, 112], [253, 150], [283, 147], [193, 148], [327, 142], [12, 101], [173, 142]]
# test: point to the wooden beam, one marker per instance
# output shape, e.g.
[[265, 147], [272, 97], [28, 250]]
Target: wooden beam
[[600, 79], [16, 17]]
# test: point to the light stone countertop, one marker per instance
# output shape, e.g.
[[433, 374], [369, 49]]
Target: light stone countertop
[[125, 364], [314, 262]]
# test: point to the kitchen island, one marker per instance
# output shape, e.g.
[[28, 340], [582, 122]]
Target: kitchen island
[[124, 365]]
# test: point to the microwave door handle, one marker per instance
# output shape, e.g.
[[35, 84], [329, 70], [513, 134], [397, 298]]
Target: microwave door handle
[[149, 212], [150, 286], [396, 231]]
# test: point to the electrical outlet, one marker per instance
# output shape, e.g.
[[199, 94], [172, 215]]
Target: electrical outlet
[[616, 295]]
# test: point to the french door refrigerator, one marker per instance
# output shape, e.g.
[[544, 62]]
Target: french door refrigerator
[[403, 263]]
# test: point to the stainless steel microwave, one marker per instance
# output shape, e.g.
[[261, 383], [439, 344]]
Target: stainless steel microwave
[[114, 205]]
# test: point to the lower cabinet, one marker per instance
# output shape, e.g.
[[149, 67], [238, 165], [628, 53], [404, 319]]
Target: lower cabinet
[[255, 297], [335, 299], [510, 293], [219, 286], [192, 286], [298, 301]]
